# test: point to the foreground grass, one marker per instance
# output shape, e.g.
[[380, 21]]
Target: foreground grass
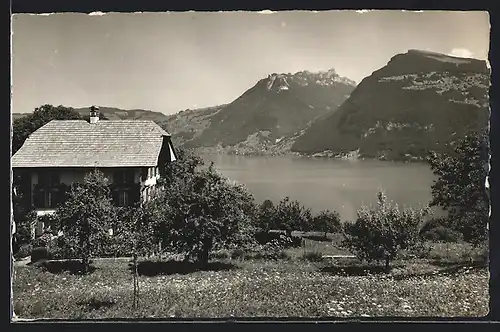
[[292, 288]]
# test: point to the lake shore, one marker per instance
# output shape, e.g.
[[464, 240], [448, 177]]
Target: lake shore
[[352, 156]]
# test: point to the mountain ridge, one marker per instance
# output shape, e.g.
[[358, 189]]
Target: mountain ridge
[[414, 104]]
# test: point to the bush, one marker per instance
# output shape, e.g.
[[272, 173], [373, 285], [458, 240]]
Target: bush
[[380, 233], [291, 216], [42, 241], [40, 254], [266, 216], [61, 249], [326, 222], [442, 234], [24, 251], [434, 223], [284, 240]]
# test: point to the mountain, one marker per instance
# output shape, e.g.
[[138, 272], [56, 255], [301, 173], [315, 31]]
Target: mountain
[[419, 101], [112, 113], [188, 124], [274, 109]]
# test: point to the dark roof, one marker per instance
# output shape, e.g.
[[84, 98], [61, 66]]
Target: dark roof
[[78, 143]]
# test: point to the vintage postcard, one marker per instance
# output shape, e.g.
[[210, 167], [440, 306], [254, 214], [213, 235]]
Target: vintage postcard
[[237, 165]]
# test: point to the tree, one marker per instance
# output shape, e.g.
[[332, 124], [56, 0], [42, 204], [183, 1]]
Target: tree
[[87, 216], [265, 216], [24, 126], [326, 222], [185, 166], [380, 232], [291, 216], [203, 211], [460, 187]]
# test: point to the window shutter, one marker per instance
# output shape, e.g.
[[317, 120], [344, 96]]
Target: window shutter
[[38, 198]]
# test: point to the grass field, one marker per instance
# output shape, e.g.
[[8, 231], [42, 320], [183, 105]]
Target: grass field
[[444, 285]]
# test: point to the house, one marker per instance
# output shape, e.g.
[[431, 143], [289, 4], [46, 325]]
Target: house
[[130, 153]]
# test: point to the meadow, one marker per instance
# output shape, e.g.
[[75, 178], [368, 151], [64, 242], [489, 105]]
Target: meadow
[[450, 280]]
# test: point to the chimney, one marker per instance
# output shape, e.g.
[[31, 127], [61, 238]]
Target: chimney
[[94, 114]]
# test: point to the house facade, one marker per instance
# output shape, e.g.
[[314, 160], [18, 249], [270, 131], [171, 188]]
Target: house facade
[[130, 153]]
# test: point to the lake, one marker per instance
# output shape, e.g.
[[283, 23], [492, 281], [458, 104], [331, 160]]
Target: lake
[[320, 184]]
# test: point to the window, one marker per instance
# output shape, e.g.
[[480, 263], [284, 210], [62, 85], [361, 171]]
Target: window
[[118, 177], [48, 178], [124, 176], [123, 198]]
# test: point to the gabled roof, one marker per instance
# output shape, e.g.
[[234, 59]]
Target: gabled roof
[[78, 143]]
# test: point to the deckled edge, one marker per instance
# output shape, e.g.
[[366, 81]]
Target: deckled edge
[[11, 177], [487, 181]]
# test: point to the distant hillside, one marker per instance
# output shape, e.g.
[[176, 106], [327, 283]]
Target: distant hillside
[[112, 113], [262, 119], [418, 102], [188, 124]]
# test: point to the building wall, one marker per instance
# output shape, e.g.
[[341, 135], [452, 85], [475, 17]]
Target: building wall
[[72, 175], [77, 175]]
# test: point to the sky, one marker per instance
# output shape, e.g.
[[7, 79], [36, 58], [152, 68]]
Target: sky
[[167, 62]]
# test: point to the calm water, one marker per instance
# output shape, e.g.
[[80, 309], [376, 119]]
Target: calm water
[[328, 184]]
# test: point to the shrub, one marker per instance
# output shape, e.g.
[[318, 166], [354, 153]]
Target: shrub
[[61, 249], [284, 240], [326, 222], [381, 232], [442, 234], [434, 223], [291, 216], [266, 216], [24, 251], [42, 241]]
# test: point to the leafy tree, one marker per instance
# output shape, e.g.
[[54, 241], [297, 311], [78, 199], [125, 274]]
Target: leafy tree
[[87, 216], [460, 188], [265, 218], [291, 216], [185, 166], [24, 126], [379, 233], [326, 222], [204, 211]]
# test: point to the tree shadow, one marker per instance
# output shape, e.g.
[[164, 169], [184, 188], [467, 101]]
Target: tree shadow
[[155, 268], [354, 270], [449, 268], [460, 264], [75, 267]]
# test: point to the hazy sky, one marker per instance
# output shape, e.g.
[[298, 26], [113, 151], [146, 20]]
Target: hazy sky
[[167, 62]]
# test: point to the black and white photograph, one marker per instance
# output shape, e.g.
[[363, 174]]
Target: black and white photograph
[[250, 164]]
